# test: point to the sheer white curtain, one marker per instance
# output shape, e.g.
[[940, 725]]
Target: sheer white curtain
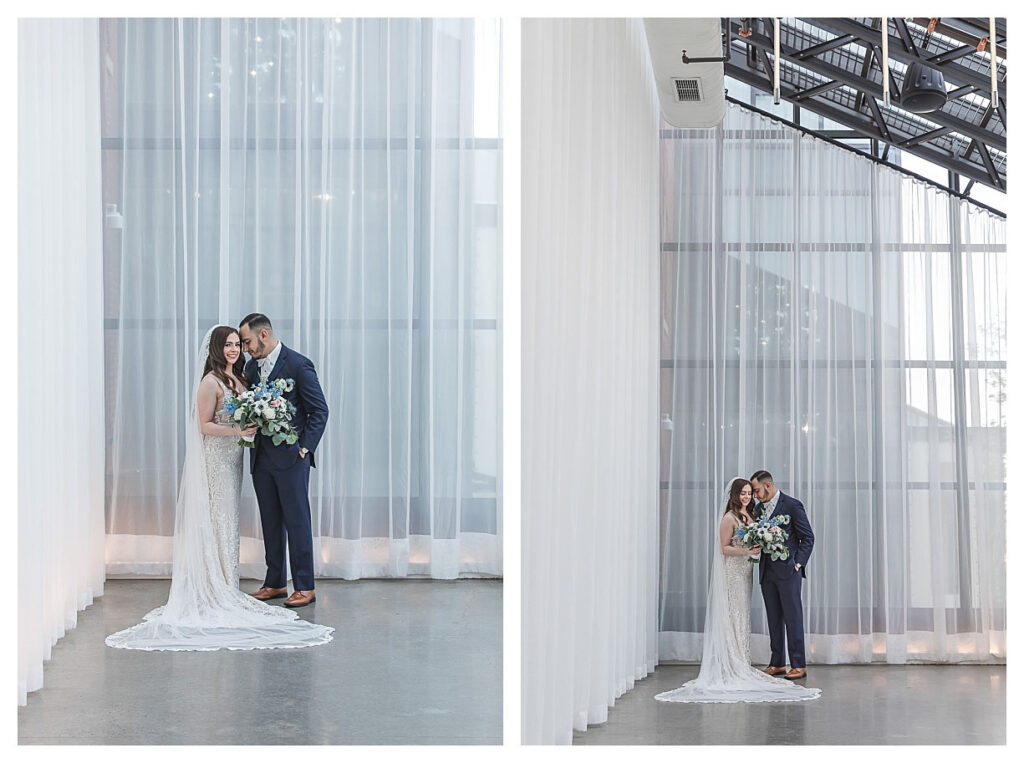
[[60, 340], [843, 326], [590, 280], [343, 177]]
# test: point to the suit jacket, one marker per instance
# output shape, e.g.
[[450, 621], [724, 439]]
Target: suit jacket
[[800, 540], [311, 412]]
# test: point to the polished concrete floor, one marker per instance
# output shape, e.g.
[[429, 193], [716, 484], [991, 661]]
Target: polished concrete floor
[[860, 704], [412, 662]]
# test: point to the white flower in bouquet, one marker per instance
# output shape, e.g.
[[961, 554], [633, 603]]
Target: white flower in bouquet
[[269, 413]]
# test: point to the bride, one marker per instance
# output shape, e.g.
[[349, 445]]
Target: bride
[[206, 610], [726, 674]]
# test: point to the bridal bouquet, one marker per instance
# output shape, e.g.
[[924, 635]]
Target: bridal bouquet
[[767, 535], [265, 406]]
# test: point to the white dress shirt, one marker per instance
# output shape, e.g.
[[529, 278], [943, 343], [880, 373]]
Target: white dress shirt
[[769, 506], [267, 364]]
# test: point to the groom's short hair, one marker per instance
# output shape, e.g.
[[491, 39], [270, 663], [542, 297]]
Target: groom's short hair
[[762, 475], [257, 322]]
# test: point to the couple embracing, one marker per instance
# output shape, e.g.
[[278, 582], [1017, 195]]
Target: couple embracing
[[726, 674], [205, 609]]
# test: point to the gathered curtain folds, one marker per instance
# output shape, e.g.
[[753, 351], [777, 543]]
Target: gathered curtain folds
[[60, 341], [589, 407], [343, 177], [843, 326]]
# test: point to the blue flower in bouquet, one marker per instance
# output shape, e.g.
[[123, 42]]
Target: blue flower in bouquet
[[767, 535], [265, 406]]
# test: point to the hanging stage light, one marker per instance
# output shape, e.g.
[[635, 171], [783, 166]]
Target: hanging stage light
[[924, 89]]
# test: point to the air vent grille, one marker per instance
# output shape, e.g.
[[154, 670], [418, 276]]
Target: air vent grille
[[688, 90]]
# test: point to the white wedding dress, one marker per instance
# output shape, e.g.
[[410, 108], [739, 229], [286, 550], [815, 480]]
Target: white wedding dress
[[205, 609], [726, 674]]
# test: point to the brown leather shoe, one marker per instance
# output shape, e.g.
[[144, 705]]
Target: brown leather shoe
[[774, 671], [300, 599], [265, 594], [796, 674]]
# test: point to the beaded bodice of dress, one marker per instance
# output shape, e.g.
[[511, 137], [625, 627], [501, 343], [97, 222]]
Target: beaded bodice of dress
[[739, 574], [224, 476]]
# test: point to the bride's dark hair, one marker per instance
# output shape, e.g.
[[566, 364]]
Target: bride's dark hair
[[734, 505], [216, 362]]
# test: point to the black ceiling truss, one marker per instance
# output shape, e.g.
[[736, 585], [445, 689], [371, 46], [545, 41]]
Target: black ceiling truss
[[832, 67]]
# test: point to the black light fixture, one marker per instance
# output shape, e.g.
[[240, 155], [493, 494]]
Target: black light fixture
[[924, 89]]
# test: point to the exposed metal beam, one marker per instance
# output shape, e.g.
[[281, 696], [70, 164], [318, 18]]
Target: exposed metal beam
[[908, 41], [817, 90], [960, 92], [859, 152], [925, 137], [822, 47], [894, 88], [974, 143], [879, 120], [960, 75], [981, 24], [865, 69], [986, 159], [953, 55], [866, 128], [969, 31], [871, 88], [963, 31]]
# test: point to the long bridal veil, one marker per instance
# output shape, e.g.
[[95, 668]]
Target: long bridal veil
[[206, 611], [725, 675]]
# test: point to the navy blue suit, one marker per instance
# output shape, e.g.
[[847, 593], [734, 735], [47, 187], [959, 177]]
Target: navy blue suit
[[780, 585], [281, 477]]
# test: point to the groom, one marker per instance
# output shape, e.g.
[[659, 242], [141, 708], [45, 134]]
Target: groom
[[781, 580], [280, 473]]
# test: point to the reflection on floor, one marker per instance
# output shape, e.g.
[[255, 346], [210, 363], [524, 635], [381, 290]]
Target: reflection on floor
[[412, 662], [860, 704]]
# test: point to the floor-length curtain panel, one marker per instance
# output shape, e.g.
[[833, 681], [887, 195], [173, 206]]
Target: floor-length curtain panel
[[60, 342], [843, 326], [590, 284], [343, 177]]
